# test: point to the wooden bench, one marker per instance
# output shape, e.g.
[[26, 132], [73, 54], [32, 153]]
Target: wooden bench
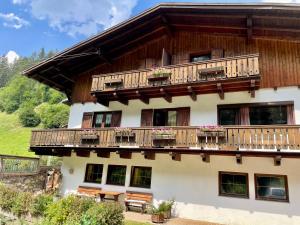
[[89, 191], [138, 200]]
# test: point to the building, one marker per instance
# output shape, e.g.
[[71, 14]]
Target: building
[[144, 92]]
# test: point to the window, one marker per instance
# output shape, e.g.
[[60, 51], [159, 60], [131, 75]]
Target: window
[[200, 57], [233, 184], [256, 114], [164, 117], [267, 115], [116, 175], [141, 177], [271, 187], [102, 119], [93, 173]]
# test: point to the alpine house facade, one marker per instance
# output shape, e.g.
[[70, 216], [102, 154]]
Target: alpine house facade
[[199, 103]]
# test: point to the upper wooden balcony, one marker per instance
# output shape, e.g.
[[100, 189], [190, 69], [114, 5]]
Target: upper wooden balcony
[[213, 76], [229, 140]]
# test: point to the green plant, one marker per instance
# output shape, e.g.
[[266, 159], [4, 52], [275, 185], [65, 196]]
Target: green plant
[[22, 204], [7, 197], [67, 210], [166, 205], [53, 116], [28, 117], [104, 214], [40, 204]]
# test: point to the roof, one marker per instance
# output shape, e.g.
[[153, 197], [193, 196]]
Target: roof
[[280, 21]]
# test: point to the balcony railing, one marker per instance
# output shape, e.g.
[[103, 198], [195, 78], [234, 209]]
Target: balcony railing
[[270, 138], [206, 73]]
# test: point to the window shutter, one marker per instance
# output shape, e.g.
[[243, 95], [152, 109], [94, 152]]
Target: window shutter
[[147, 118], [166, 58], [183, 117], [217, 53], [87, 120], [244, 115], [290, 114], [116, 119]]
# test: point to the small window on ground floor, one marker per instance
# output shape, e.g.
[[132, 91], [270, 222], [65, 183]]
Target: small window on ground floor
[[93, 173], [141, 177], [233, 184], [116, 175], [271, 187]]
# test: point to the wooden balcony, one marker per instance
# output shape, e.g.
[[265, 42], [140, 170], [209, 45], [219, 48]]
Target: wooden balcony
[[213, 76], [254, 140]]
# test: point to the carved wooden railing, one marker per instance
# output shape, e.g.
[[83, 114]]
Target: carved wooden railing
[[233, 138], [233, 67]]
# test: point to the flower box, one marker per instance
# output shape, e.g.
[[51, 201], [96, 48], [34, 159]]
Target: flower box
[[163, 134], [211, 73], [126, 132], [211, 131], [160, 76]]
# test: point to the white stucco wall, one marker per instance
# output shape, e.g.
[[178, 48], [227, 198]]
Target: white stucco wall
[[203, 111], [194, 185]]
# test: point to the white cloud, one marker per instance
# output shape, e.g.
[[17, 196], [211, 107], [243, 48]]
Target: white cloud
[[13, 21], [282, 1], [11, 57], [16, 2], [81, 17]]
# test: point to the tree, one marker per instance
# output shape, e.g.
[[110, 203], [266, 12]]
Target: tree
[[28, 117], [53, 115]]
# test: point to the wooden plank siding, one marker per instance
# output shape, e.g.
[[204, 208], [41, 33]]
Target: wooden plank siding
[[279, 59], [241, 137]]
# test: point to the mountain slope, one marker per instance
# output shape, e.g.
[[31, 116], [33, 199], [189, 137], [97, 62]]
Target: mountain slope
[[14, 139]]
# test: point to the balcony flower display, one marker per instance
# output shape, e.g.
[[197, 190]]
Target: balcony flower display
[[211, 131], [124, 132], [163, 134], [159, 74]]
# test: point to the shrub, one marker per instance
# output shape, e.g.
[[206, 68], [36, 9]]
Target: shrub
[[7, 197], [22, 204], [40, 204], [103, 214], [29, 118], [53, 116], [67, 210]]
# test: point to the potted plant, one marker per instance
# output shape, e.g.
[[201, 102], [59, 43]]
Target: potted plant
[[157, 215], [166, 208]]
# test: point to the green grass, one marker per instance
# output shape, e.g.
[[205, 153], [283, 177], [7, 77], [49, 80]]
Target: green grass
[[14, 139], [128, 222]]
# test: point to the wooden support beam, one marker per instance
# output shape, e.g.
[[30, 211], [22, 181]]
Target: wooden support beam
[[124, 154], [175, 156], [239, 159], [220, 91], [103, 154], [277, 160], [102, 102], [83, 153], [148, 155], [166, 96], [120, 99], [249, 26], [205, 157], [252, 88], [103, 56], [192, 93], [167, 26], [142, 97]]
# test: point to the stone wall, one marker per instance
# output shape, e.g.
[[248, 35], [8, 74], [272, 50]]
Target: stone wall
[[26, 182]]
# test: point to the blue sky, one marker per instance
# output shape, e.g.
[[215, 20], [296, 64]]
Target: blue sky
[[29, 25]]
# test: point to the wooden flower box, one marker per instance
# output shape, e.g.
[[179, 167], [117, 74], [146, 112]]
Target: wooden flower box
[[211, 73], [157, 218], [163, 137], [201, 133], [159, 77], [113, 83], [89, 139]]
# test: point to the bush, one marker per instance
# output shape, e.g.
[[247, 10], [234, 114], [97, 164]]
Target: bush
[[53, 116], [22, 204], [29, 118], [7, 197], [40, 204], [103, 214], [67, 211]]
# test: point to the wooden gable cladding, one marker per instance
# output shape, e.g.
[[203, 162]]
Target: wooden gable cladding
[[279, 59]]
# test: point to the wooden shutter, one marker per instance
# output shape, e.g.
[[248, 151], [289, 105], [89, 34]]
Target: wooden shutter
[[217, 53], [245, 115], [116, 118], [147, 118], [183, 117], [290, 114], [87, 120], [166, 58]]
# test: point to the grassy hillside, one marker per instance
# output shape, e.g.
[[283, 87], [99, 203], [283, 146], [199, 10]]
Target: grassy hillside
[[14, 139]]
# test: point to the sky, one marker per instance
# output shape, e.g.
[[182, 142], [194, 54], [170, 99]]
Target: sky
[[27, 26]]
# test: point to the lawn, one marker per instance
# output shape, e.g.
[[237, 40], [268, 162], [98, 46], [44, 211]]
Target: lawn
[[14, 139], [135, 223]]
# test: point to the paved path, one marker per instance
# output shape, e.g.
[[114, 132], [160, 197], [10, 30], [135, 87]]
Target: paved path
[[174, 221]]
